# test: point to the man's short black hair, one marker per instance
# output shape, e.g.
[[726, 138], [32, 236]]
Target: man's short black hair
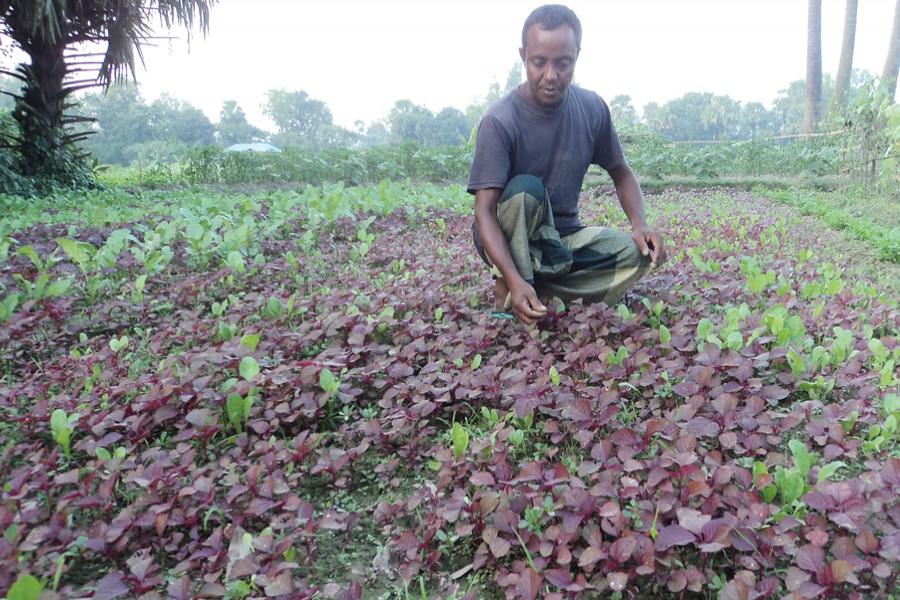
[[551, 16]]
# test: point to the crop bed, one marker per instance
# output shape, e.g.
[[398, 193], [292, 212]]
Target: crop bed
[[303, 395]]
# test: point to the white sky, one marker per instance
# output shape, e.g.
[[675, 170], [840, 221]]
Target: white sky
[[360, 56]]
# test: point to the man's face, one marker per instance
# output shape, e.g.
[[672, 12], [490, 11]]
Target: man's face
[[549, 58]]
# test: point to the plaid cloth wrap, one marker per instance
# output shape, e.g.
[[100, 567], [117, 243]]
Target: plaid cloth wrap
[[595, 264]]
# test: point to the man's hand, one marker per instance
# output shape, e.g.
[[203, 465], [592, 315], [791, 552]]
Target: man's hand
[[650, 242], [525, 304]]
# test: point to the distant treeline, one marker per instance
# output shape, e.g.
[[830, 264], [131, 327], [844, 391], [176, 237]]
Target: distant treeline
[[130, 130]]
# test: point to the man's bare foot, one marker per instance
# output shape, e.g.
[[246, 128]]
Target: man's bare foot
[[501, 292]]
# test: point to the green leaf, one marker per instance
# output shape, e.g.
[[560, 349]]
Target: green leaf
[[803, 460], [118, 344], [704, 328], [665, 336], [234, 406], [828, 471], [892, 403], [792, 487], [103, 454], [235, 260], [8, 306], [476, 362], [30, 253], [328, 382], [251, 340], [249, 368], [460, 438], [25, 588], [59, 424], [273, 308], [554, 376], [79, 252]]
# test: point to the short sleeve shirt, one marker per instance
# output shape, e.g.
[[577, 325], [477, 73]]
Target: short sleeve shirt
[[556, 145]]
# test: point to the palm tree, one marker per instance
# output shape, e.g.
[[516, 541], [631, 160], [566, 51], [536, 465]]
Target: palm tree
[[51, 33], [892, 63], [845, 67], [813, 67]]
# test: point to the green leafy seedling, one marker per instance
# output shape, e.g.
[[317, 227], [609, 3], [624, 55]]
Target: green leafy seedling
[[238, 409], [460, 439], [117, 344], [61, 426]]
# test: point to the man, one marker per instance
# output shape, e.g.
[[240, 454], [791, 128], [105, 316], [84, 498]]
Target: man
[[532, 152]]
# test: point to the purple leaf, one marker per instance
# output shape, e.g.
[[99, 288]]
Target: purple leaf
[[111, 586], [811, 558], [673, 535]]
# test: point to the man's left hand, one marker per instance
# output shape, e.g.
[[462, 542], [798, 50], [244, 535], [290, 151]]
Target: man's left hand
[[650, 242]]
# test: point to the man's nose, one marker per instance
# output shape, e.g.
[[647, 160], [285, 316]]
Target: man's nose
[[550, 73]]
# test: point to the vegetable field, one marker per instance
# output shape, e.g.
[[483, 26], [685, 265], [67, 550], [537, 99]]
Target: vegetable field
[[301, 394]]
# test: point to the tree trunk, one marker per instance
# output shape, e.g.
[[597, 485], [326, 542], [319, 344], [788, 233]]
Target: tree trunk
[[39, 109], [845, 67], [892, 63], [814, 67]]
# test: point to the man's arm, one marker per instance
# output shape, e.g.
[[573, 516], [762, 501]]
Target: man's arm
[[525, 303], [631, 198]]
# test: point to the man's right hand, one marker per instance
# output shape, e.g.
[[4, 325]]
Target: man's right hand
[[525, 304]]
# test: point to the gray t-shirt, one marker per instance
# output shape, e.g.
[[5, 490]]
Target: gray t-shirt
[[555, 145]]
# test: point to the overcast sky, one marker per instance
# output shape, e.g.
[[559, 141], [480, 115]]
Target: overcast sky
[[360, 56]]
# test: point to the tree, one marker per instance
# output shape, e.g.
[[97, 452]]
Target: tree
[[892, 63], [845, 66], [756, 121], [121, 120], [173, 120], [623, 112], [696, 116], [233, 127], [449, 127], [813, 112], [45, 29], [407, 121], [296, 113]]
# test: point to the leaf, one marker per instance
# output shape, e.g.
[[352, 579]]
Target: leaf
[[842, 571], [811, 559], [803, 460], [482, 478], [590, 556], [530, 583], [249, 368], [26, 587], [692, 520], [234, 406], [673, 535], [111, 586], [791, 486], [890, 471], [828, 471], [328, 382], [665, 336], [499, 546], [251, 340], [617, 581], [460, 438], [59, 424], [181, 589]]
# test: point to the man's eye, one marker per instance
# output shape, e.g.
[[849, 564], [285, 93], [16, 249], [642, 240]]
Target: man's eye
[[563, 64]]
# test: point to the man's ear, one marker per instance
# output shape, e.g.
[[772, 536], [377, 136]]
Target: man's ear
[[522, 54]]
